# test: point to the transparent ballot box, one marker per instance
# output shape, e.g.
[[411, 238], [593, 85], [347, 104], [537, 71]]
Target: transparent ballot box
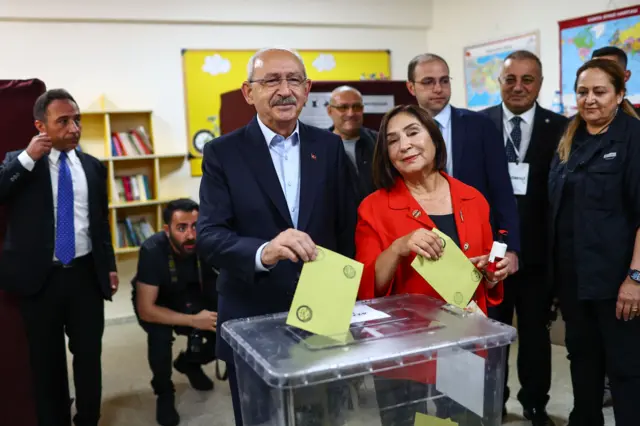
[[407, 360]]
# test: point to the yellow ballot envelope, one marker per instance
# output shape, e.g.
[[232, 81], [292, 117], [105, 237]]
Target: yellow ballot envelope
[[326, 295], [427, 420], [453, 276]]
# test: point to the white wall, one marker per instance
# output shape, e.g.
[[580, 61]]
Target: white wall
[[460, 23], [130, 52], [120, 52]]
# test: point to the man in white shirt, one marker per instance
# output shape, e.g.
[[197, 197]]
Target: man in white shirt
[[270, 192], [530, 135], [475, 154], [58, 258]]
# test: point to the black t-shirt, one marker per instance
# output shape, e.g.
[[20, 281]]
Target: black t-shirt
[[565, 221], [153, 269], [446, 223]]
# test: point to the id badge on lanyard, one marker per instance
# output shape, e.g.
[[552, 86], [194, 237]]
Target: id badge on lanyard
[[518, 171]]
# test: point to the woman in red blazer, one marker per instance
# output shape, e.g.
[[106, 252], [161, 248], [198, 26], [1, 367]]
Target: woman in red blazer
[[416, 195], [395, 225]]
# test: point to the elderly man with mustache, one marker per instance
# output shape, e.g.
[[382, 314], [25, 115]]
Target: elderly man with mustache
[[271, 192]]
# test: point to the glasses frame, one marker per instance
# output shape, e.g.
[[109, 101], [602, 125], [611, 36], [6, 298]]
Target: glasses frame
[[276, 82]]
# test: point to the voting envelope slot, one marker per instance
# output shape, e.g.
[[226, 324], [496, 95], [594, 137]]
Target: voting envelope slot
[[400, 321], [412, 359]]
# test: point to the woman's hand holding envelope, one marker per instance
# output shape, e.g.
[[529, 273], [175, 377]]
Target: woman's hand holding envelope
[[426, 243]]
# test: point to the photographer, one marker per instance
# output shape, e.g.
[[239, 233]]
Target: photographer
[[174, 292]]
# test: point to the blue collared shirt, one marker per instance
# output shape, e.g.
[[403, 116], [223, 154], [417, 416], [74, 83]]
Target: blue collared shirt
[[444, 120], [285, 154]]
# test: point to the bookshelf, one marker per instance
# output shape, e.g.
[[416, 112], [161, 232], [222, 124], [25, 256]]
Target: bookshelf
[[125, 143]]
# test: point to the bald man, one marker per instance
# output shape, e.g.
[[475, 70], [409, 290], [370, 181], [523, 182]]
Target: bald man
[[346, 109], [270, 192]]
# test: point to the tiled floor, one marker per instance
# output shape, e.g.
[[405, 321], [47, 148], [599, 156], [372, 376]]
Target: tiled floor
[[129, 401]]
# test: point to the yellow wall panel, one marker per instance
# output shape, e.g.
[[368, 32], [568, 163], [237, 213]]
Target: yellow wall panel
[[210, 73]]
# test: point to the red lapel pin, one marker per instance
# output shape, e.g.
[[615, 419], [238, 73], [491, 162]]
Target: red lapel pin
[[313, 156]]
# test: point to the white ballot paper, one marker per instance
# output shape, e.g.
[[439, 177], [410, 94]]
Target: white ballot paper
[[460, 376], [363, 313]]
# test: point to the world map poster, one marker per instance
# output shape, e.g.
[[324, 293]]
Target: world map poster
[[579, 37], [482, 64]]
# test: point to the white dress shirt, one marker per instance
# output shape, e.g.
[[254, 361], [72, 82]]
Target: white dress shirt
[[80, 195], [526, 126], [286, 160], [444, 120]]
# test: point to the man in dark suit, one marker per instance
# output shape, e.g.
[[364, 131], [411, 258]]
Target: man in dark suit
[[475, 153], [58, 257], [270, 192], [530, 136], [616, 54], [346, 110]]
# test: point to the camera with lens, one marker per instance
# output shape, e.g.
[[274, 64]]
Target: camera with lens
[[200, 344]]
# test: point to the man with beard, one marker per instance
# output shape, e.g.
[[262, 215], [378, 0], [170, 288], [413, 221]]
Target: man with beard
[[173, 291], [614, 53]]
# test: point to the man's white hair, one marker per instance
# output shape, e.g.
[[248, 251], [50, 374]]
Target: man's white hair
[[251, 65], [345, 88]]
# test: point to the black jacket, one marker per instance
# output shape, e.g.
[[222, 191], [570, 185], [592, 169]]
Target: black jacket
[[28, 248], [154, 253], [533, 207], [362, 179], [606, 207]]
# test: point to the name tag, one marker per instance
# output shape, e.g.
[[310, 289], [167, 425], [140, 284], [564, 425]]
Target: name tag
[[519, 173]]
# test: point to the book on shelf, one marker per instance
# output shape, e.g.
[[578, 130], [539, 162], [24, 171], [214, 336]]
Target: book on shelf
[[132, 232], [131, 188], [134, 142]]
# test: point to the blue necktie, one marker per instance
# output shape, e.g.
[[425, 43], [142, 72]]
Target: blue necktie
[[516, 138], [65, 230]]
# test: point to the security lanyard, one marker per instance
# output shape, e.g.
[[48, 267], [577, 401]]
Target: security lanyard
[[509, 140]]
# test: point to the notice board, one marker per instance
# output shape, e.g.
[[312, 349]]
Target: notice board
[[210, 73]]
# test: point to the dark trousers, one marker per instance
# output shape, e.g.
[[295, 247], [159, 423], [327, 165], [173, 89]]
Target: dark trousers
[[69, 301], [259, 410], [400, 400], [526, 293], [598, 342], [160, 340], [235, 394], [327, 403]]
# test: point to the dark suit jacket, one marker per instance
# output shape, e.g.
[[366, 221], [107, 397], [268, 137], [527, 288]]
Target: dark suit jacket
[[480, 160], [362, 178], [606, 208], [242, 206], [27, 253], [533, 207]]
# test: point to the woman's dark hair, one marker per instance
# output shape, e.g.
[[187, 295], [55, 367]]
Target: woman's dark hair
[[616, 77], [384, 173]]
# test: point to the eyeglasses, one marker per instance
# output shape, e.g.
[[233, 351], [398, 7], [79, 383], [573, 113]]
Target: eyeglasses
[[346, 107], [431, 82], [275, 82], [526, 80]]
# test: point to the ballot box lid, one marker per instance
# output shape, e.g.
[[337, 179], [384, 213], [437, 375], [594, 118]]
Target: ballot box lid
[[392, 332]]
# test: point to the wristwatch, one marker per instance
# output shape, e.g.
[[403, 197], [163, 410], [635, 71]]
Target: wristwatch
[[634, 274]]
